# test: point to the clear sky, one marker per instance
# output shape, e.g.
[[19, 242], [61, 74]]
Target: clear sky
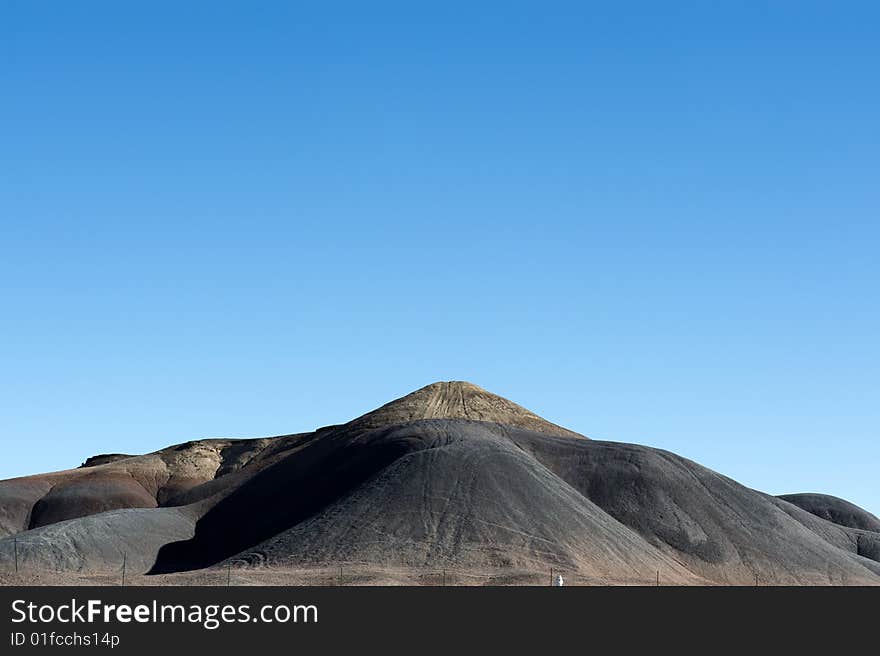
[[650, 222]]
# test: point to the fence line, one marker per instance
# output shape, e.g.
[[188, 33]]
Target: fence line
[[335, 575]]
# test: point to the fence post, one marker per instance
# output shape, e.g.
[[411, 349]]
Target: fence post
[[444, 578], [658, 578], [15, 549], [340, 576], [124, 558], [551, 577], [228, 573]]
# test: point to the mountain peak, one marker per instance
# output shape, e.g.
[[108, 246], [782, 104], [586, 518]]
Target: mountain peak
[[458, 400]]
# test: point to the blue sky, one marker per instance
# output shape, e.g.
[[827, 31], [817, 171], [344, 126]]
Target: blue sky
[[652, 222]]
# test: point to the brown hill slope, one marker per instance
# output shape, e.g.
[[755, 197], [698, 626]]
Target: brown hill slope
[[110, 483], [456, 400]]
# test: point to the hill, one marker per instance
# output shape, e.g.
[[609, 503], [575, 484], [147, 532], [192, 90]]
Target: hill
[[450, 476]]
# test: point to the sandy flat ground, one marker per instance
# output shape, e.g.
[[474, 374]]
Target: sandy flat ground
[[345, 576]]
